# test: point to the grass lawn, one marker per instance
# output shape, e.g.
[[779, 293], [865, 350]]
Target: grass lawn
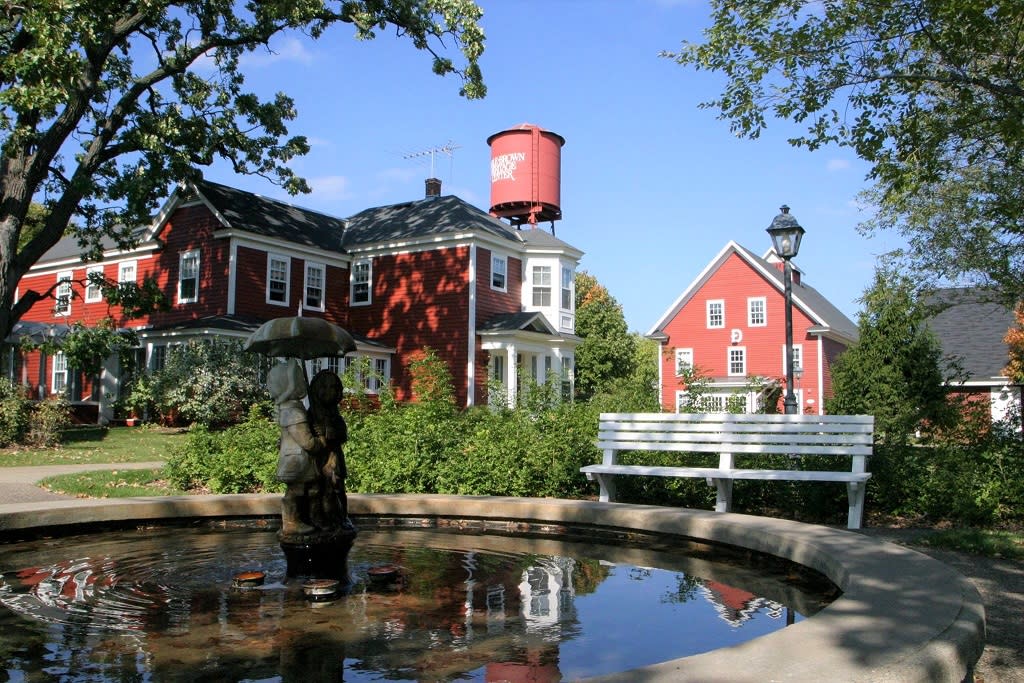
[[111, 484], [96, 445], [988, 542]]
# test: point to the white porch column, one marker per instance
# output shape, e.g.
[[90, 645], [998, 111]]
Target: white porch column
[[512, 380]]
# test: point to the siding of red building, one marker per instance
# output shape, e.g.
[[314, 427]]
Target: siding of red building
[[251, 288], [420, 299], [735, 283]]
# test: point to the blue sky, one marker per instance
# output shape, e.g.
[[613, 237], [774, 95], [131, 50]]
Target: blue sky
[[652, 186]]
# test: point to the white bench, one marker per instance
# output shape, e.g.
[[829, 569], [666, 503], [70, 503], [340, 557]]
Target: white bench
[[732, 435]]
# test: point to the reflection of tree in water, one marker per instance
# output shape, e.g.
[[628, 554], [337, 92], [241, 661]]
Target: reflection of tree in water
[[588, 576], [687, 588]]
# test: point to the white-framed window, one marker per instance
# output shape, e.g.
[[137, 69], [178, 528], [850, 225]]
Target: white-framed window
[[499, 272], [540, 278], [718, 402], [157, 357], [278, 274], [362, 277], [93, 290], [381, 374], [126, 271], [568, 300], [59, 378], [684, 360], [498, 368], [188, 277], [62, 306], [798, 358], [716, 313], [757, 311], [316, 277], [737, 361]]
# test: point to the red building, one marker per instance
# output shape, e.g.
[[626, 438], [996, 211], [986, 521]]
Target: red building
[[436, 272], [729, 327]]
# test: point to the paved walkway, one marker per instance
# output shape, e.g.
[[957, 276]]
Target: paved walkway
[[18, 484]]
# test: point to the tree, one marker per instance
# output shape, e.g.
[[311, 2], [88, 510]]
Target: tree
[[930, 92], [608, 351], [101, 109], [1015, 341], [895, 369]]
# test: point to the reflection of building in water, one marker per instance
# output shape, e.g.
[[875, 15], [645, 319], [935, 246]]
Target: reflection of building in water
[[547, 594], [736, 606]]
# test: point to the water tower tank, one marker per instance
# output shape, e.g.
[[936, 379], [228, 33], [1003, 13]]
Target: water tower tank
[[526, 174]]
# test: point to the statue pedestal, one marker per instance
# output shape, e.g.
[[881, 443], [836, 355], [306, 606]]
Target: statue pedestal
[[322, 554]]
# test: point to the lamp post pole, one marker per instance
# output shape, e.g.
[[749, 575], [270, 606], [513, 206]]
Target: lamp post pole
[[789, 403], [786, 234]]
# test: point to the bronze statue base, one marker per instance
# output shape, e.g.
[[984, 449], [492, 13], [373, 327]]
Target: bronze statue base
[[322, 554]]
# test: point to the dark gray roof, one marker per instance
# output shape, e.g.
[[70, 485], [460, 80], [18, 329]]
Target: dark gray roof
[[971, 325], [68, 247], [272, 218], [514, 322], [422, 218]]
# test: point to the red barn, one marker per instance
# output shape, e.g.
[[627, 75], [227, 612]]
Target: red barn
[[436, 272], [729, 326]]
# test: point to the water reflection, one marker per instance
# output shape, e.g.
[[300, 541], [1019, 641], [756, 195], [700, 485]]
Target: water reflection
[[159, 605]]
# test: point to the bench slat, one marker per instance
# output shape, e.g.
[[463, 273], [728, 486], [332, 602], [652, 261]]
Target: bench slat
[[739, 448], [715, 473]]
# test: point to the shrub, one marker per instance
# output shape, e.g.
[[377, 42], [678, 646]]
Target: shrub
[[240, 459], [49, 419], [15, 411]]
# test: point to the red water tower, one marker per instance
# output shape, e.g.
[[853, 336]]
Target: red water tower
[[526, 174]]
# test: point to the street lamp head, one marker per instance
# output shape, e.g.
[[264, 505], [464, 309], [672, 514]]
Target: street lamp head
[[786, 234]]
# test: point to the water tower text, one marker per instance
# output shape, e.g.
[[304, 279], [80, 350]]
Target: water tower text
[[503, 167]]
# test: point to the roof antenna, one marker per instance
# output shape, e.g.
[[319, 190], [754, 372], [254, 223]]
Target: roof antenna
[[446, 149]]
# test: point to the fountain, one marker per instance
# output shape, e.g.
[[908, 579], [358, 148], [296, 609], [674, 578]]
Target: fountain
[[901, 616]]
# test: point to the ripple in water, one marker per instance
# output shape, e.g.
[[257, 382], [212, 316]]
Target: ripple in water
[[158, 604]]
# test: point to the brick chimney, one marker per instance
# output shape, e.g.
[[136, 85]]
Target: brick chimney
[[433, 187]]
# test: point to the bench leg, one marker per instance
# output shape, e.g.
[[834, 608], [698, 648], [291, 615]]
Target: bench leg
[[855, 490], [607, 482], [723, 499]]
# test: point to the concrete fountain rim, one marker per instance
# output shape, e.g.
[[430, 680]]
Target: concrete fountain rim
[[903, 616]]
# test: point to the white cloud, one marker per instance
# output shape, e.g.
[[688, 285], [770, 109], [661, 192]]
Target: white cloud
[[331, 188], [285, 50], [837, 165]]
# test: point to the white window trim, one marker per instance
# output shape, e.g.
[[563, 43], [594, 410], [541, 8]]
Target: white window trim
[[750, 311], [181, 272], [61, 361], [728, 361], [313, 265], [707, 311], [65, 288], [499, 258], [536, 289], [93, 293], [679, 355], [798, 356], [135, 271], [571, 288], [271, 258], [369, 283]]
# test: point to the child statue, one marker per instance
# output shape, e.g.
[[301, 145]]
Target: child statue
[[295, 464], [325, 393]]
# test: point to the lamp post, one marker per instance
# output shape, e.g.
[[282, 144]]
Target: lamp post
[[786, 234]]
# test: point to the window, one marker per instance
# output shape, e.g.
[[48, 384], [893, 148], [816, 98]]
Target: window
[[63, 294], [737, 360], [93, 290], [381, 375], [278, 268], [541, 285], [716, 314], [362, 274], [315, 275], [157, 358], [798, 358], [188, 277], [126, 272], [567, 282], [684, 360], [498, 368], [59, 381], [499, 272], [756, 311]]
